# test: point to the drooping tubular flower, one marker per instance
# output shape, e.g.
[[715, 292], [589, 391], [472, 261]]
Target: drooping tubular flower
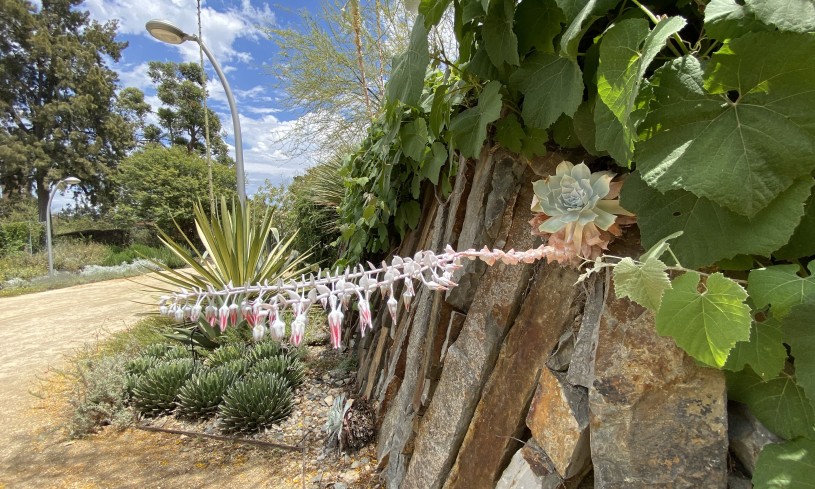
[[258, 331], [579, 210], [335, 323], [298, 326], [223, 317]]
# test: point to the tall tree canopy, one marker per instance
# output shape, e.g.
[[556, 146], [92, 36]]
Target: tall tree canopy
[[180, 87], [57, 99]]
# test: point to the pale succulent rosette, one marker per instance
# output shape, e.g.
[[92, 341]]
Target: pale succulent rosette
[[579, 210]]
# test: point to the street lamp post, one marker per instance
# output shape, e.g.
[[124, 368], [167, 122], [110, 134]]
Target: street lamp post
[[167, 32], [64, 181]]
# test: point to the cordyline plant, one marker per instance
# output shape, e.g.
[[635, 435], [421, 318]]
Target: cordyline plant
[[579, 213]]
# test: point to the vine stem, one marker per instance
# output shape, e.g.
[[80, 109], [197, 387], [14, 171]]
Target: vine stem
[[675, 36]]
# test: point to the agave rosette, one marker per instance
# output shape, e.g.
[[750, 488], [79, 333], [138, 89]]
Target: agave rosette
[[579, 211]]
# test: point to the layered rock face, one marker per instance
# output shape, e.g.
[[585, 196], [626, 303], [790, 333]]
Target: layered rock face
[[519, 378]]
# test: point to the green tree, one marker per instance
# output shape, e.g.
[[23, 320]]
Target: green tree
[[159, 185], [57, 98], [180, 87]]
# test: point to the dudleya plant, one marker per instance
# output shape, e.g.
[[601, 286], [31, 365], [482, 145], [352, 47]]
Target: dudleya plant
[[579, 210]]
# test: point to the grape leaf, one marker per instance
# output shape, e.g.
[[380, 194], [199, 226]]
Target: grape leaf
[[499, 38], [413, 136], [711, 232], [787, 465], [780, 404], [764, 352], [509, 133], [551, 86], [469, 128], [787, 15], [626, 51], [781, 287], [537, 23], [591, 11], [563, 133], [802, 242], [708, 324], [439, 110], [740, 133], [433, 10], [407, 75], [726, 19], [534, 143], [799, 332], [434, 160], [643, 283]]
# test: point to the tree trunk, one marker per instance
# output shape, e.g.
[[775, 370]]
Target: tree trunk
[[42, 197]]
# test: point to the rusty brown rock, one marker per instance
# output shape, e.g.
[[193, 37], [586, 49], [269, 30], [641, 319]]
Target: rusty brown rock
[[499, 418], [559, 421], [658, 419]]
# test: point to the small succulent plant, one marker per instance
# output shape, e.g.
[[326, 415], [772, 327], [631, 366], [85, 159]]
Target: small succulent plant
[[336, 415], [237, 367], [288, 367], [201, 395], [350, 423], [579, 210], [156, 391], [253, 404], [225, 354], [265, 349]]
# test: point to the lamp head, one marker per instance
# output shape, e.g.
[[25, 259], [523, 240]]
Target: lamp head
[[71, 181], [165, 31]]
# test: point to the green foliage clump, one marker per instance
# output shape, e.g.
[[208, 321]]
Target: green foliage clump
[[99, 395], [178, 180], [156, 392], [254, 404], [226, 354], [237, 367], [21, 236], [265, 349], [118, 255], [203, 393], [288, 367]]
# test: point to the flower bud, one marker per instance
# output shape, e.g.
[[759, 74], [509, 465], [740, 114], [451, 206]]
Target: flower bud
[[277, 329], [393, 305], [258, 332], [223, 317]]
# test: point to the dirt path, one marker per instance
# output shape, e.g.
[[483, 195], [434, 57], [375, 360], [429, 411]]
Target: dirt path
[[38, 330]]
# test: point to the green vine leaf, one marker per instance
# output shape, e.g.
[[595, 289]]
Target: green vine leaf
[[433, 10], [644, 283], [787, 15], [413, 136], [534, 143], [781, 287], [591, 11], [407, 75], [711, 232], [434, 160], [780, 404], [726, 19], [747, 117], [551, 85], [537, 23], [799, 332], [705, 324], [626, 51], [509, 133], [802, 242], [499, 38], [785, 465], [439, 110], [764, 352], [469, 128]]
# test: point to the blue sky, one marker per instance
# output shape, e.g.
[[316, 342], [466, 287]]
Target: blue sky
[[230, 30]]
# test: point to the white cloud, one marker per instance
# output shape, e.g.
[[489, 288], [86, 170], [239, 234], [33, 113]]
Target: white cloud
[[220, 28]]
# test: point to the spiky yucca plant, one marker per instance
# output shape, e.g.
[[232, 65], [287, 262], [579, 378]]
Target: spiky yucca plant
[[156, 391], [201, 395], [237, 252], [286, 366], [254, 404]]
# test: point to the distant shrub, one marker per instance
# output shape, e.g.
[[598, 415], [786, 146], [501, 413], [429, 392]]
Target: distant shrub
[[21, 236]]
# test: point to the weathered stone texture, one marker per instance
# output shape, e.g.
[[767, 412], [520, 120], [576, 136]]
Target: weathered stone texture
[[520, 475], [499, 418], [559, 421], [747, 436], [469, 360], [657, 418]]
